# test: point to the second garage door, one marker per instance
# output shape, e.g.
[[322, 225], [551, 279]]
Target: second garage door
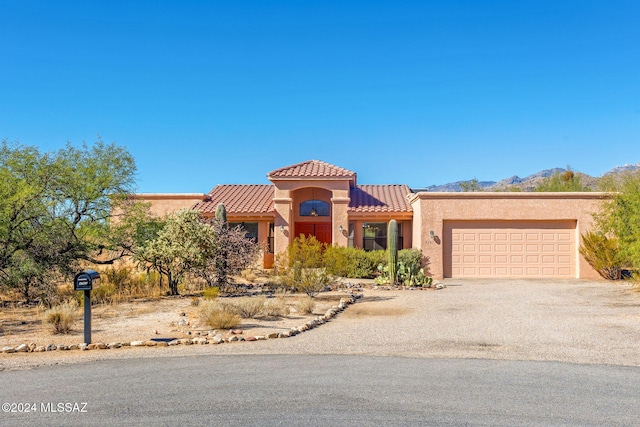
[[510, 249]]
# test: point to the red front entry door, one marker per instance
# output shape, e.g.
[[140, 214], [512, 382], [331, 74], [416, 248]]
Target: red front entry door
[[321, 231]]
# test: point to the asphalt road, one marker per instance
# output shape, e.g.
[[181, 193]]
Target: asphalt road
[[321, 390]]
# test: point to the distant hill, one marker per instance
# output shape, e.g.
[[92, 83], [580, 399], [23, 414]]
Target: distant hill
[[623, 168], [528, 183]]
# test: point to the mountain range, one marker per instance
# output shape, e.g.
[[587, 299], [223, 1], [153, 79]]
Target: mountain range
[[528, 183]]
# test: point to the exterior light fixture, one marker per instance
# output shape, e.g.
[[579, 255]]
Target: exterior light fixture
[[432, 234], [340, 228], [314, 212], [282, 228]]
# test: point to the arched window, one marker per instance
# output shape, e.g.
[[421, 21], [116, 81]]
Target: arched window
[[315, 208]]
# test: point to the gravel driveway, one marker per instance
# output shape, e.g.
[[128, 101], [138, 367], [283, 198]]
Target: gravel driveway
[[568, 320], [571, 320]]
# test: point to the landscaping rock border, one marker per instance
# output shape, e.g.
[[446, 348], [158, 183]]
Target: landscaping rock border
[[214, 338]]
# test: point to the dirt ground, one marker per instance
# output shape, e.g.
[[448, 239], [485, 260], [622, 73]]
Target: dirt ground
[[161, 319], [570, 320]]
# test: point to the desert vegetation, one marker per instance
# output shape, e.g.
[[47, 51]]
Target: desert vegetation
[[71, 209], [613, 249], [62, 317], [308, 266]]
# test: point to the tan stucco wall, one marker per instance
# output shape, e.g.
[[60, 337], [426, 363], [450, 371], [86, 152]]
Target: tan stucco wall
[[288, 195], [431, 210], [163, 204]]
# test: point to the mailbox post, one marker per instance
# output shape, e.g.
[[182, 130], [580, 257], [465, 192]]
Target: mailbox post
[[84, 282]]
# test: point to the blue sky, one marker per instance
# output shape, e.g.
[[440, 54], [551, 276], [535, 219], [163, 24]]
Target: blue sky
[[412, 92]]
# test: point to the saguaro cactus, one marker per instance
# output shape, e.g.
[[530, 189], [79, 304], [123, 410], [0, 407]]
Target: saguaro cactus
[[221, 214], [392, 247], [221, 262]]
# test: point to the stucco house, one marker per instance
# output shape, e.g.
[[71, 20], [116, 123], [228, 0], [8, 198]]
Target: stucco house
[[482, 234]]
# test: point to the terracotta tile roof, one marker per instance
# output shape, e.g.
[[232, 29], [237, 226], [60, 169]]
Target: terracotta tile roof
[[311, 169], [240, 199], [258, 199], [380, 198]]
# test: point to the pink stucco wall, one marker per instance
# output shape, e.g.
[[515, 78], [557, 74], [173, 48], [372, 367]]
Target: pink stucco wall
[[164, 204], [431, 210]]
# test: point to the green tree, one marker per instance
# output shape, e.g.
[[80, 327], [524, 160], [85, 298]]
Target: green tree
[[181, 245], [562, 182], [56, 210], [620, 217], [470, 186], [187, 244]]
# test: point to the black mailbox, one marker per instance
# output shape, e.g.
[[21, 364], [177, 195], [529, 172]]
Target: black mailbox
[[84, 280]]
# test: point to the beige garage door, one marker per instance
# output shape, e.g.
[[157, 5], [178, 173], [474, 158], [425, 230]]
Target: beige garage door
[[509, 249]]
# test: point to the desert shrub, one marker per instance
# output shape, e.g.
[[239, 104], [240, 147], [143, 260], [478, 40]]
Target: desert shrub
[[337, 260], [126, 283], [104, 293], [218, 316], [62, 317], [306, 305], [411, 257], [307, 280], [276, 308], [145, 285], [312, 281], [119, 277], [351, 262], [603, 254], [211, 293], [64, 293], [305, 250], [249, 307], [372, 259], [249, 275]]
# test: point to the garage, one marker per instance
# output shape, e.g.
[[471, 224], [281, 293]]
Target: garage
[[510, 249]]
